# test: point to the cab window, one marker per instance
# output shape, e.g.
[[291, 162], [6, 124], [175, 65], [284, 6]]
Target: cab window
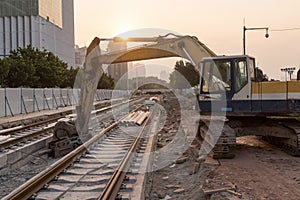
[[241, 75], [216, 76], [251, 69]]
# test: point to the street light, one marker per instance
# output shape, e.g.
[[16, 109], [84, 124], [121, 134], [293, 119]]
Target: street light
[[289, 70], [251, 29]]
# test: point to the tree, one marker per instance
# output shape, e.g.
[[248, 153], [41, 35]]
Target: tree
[[70, 77], [52, 73], [260, 75], [4, 70], [184, 76], [106, 82], [29, 67], [21, 68]]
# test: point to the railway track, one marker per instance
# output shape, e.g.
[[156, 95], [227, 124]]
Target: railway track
[[22, 135], [98, 169], [10, 131]]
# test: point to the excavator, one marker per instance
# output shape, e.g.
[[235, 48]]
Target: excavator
[[229, 86]]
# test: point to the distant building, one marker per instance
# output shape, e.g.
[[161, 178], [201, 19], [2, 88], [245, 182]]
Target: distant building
[[138, 74], [116, 71], [136, 70], [80, 53], [140, 70], [164, 75], [44, 24]]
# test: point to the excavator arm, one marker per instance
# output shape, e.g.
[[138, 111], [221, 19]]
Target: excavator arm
[[169, 45], [161, 47]]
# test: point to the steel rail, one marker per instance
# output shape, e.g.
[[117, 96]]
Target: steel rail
[[112, 188], [9, 132], [34, 184], [116, 105], [22, 138], [25, 127]]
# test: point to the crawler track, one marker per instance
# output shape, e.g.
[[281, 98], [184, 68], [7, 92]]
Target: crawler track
[[291, 142], [280, 131]]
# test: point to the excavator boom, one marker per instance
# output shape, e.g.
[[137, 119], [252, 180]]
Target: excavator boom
[[230, 85], [158, 47]]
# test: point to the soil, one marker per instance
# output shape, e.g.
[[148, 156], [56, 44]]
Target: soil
[[181, 179], [258, 171], [11, 181]]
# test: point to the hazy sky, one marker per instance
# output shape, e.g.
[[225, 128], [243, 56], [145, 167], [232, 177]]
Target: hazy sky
[[216, 23]]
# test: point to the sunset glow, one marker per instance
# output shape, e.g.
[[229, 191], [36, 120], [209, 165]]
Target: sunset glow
[[218, 24]]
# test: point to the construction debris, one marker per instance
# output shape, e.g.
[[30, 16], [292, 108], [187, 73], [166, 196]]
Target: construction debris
[[210, 192], [239, 195], [135, 118]]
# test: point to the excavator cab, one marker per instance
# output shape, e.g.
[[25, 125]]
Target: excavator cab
[[233, 85], [226, 81]]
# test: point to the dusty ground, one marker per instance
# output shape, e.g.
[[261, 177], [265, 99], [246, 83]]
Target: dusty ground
[[177, 181], [11, 181], [181, 179], [258, 171]]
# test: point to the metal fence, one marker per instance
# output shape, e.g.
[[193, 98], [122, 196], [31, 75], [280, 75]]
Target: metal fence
[[15, 101]]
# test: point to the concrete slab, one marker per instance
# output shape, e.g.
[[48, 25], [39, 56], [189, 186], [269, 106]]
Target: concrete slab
[[78, 195], [88, 187], [89, 166], [45, 195], [15, 159], [4, 138], [4, 171], [13, 156], [3, 160], [84, 178]]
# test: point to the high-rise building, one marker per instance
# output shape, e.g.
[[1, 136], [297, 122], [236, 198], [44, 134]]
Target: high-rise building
[[164, 75], [80, 53], [116, 71], [140, 70], [44, 24]]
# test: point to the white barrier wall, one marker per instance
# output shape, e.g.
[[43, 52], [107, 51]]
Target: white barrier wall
[[15, 101]]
